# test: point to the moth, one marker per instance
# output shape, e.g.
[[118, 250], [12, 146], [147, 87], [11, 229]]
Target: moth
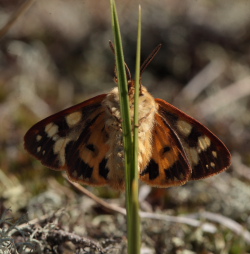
[[86, 141]]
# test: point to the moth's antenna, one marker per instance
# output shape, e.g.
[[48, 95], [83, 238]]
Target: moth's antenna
[[149, 59], [111, 45], [129, 77]]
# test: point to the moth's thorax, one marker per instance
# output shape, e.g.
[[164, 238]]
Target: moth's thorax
[[147, 105], [113, 126]]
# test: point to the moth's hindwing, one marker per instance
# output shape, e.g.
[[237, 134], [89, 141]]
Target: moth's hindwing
[[169, 165], [203, 151], [73, 140]]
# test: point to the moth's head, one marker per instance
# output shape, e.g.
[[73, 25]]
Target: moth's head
[[131, 89]]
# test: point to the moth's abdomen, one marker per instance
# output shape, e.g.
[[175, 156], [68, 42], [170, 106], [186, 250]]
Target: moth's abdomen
[[113, 126]]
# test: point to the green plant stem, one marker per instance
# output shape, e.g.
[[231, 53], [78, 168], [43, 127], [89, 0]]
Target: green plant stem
[[130, 145], [135, 218], [123, 90]]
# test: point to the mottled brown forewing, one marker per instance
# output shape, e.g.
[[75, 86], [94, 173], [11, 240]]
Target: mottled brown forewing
[[73, 140]]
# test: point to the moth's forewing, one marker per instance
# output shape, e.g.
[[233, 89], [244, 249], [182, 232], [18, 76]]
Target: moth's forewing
[[73, 140], [206, 153]]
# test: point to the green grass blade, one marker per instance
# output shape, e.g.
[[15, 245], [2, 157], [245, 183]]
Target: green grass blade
[[131, 161], [135, 218], [123, 90]]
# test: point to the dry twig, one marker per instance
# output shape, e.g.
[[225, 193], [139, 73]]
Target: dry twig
[[24, 7], [207, 227], [226, 222]]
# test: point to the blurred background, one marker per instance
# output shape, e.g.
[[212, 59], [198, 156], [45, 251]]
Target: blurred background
[[57, 54]]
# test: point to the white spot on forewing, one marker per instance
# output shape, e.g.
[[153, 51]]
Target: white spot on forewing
[[181, 176], [59, 149], [204, 142], [80, 177], [74, 174], [194, 156], [38, 138], [73, 118], [214, 153], [38, 149], [55, 138], [212, 165], [51, 129], [176, 179], [184, 127]]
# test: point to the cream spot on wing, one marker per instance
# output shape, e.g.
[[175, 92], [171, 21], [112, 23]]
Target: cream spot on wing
[[38, 138], [73, 118], [80, 177], [207, 166], [38, 149], [184, 127], [214, 153], [194, 156], [55, 138], [59, 149], [212, 165], [176, 179], [181, 176], [51, 129], [74, 174], [204, 142], [44, 152]]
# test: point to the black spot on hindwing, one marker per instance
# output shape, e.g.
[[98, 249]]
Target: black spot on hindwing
[[165, 149], [91, 147], [75, 163], [103, 170], [152, 169], [177, 172]]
